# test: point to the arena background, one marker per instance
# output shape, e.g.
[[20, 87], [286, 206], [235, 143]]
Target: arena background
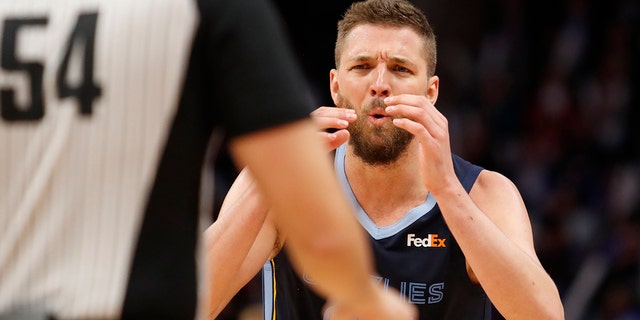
[[545, 92]]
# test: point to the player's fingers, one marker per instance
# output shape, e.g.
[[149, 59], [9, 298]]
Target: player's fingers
[[341, 136], [416, 106], [333, 118], [415, 128], [335, 112], [334, 139], [412, 118], [324, 123]]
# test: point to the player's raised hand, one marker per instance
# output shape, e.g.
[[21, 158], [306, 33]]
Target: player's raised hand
[[416, 114], [333, 123]]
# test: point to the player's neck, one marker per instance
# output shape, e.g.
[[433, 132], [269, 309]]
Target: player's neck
[[386, 192]]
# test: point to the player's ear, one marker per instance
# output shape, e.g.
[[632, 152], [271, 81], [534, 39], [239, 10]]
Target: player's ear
[[334, 86], [433, 85]]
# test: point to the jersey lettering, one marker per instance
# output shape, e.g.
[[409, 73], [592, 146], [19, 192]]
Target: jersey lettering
[[80, 45], [431, 241], [435, 292], [416, 292]]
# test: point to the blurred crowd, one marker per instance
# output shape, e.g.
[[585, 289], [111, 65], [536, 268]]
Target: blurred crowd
[[551, 101], [546, 92]]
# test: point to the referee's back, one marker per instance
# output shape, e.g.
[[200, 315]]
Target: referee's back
[[107, 111]]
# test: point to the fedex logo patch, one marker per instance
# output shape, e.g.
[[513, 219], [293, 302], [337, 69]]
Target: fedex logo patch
[[431, 241]]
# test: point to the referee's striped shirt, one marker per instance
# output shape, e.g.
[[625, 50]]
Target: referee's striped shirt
[[107, 110]]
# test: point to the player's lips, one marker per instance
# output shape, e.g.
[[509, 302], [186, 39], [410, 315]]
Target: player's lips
[[378, 116]]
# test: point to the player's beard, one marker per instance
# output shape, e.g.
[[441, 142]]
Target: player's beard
[[375, 145]]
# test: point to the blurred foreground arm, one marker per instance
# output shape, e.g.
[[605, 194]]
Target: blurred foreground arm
[[292, 169]]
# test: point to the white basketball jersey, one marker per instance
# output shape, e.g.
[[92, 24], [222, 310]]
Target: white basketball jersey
[[49, 128]]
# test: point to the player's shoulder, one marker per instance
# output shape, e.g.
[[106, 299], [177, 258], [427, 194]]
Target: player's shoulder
[[495, 185]]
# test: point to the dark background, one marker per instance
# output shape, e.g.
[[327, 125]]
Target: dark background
[[545, 92]]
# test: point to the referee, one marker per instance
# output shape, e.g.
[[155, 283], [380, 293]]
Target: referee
[[109, 109]]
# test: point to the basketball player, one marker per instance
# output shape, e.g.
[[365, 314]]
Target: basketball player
[[452, 237], [109, 108]]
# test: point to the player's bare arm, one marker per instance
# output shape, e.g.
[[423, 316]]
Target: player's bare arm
[[230, 239], [493, 213]]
